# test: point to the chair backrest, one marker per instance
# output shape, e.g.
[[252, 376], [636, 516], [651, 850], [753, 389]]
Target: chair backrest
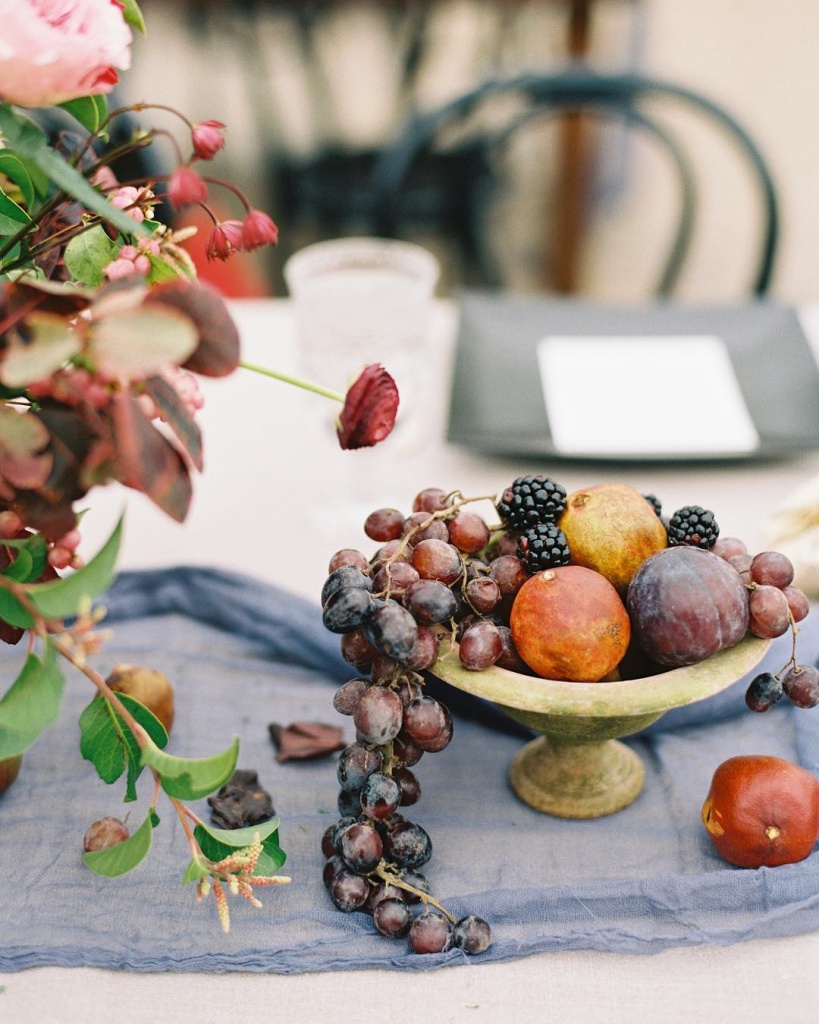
[[610, 96]]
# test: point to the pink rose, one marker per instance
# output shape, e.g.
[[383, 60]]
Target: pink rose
[[55, 50]]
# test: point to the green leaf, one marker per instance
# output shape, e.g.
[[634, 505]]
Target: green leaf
[[217, 843], [30, 142], [133, 15], [12, 216], [108, 743], [90, 111], [37, 548], [15, 170], [49, 341], [20, 568], [196, 869], [192, 778], [88, 254], [140, 342], [31, 704], [61, 598], [161, 271], [123, 857]]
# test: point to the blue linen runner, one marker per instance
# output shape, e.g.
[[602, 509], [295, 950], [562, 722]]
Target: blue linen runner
[[242, 654]]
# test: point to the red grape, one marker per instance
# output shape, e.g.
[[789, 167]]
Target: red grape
[[430, 933], [384, 524], [435, 530], [480, 646], [769, 612], [378, 715], [349, 890], [424, 719], [346, 697], [425, 652], [357, 650], [392, 917], [797, 602], [727, 547], [380, 796], [770, 568], [801, 685], [509, 573], [437, 560], [410, 786], [349, 556], [468, 532], [361, 848], [431, 499], [430, 602], [397, 577], [483, 594], [472, 934]]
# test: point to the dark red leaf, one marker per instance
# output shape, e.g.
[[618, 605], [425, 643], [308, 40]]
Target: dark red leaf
[[175, 413], [217, 354], [303, 740], [147, 461]]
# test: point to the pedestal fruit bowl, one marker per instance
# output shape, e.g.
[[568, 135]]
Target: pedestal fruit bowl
[[578, 768]]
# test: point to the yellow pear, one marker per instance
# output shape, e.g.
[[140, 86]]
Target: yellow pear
[[612, 529]]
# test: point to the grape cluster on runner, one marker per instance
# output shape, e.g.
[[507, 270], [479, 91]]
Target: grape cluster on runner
[[444, 578]]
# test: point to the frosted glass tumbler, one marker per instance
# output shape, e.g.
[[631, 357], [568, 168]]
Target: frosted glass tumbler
[[359, 301]]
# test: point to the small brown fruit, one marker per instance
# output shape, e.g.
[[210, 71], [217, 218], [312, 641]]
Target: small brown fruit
[[104, 833], [9, 770], [612, 529], [149, 687], [762, 810]]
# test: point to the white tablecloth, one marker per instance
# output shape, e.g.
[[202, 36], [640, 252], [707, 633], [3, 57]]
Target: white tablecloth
[[277, 498]]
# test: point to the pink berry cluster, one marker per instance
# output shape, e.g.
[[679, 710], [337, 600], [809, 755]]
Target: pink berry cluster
[[62, 553]]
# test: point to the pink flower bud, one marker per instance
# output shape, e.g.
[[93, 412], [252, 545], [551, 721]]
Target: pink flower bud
[[207, 139], [128, 252], [224, 240], [59, 558], [124, 199], [258, 230], [369, 409], [186, 187], [143, 265], [117, 269]]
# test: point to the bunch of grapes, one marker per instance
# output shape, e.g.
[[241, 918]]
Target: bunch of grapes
[[775, 606], [431, 577]]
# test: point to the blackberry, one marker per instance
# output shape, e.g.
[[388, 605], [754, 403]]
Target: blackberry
[[530, 500], [693, 526], [655, 503], [544, 546]]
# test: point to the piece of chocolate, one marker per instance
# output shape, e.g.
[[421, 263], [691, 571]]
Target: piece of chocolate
[[241, 802]]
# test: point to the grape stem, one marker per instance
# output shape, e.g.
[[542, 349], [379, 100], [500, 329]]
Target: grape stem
[[791, 662], [393, 879]]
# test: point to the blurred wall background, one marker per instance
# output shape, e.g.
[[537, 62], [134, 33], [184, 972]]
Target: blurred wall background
[[293, 79]]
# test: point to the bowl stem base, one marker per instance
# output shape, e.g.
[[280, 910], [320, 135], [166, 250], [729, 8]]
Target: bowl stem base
[[576, 778]]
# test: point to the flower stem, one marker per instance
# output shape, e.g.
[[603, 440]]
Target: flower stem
[[317, 388]]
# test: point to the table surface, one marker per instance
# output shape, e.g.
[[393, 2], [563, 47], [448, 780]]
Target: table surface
[[276, 499]]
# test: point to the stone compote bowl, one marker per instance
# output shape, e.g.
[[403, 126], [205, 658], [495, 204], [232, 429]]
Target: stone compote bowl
[[577, 768]]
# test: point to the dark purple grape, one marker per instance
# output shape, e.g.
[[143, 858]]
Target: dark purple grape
[[392, 917], [327, 845], [349, 556], [378, 715], [383, 668], [347, 610], [410, 786], [425, 652], [408, 845], [797, 602], [417, 881], [383, 891], [406, 750], [356, 764], [468, 532], [346, 697], [384, 524], [430, 602], [341, 825], [430, 932], [801, 685], [483, 594], [361, 848], [769, 612], [764, 691], [349, 891], [437, 560], [424, 719], [435, 530], [510, 659], [407, 691], [346, 576], [357, 650], [395, 578], [472, 934], [332, 868], [480, 646], [392, 630], [431, 499], [509, 574], [442, 740], [349, 803], [772, 569], [380, 796]]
